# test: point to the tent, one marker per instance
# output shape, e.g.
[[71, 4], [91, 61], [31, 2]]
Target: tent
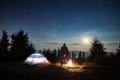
[[36, 58]]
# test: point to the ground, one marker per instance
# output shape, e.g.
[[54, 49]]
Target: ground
[[20, 71]]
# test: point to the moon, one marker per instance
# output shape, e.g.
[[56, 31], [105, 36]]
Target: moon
[[86, 40]]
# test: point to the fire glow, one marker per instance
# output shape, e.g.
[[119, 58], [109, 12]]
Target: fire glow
[[69, 64], [73, 67]]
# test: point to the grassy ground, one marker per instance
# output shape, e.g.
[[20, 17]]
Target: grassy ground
[[52, 72]]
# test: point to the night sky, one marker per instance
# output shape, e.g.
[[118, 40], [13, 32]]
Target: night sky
[[50, 23]]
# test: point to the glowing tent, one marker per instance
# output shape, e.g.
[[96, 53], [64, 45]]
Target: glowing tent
[[36, 58]]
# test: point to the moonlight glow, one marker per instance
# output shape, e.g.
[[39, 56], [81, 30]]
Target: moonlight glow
[[86, 40]]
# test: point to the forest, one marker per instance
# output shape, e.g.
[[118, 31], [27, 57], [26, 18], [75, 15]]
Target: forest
[[17, 47]]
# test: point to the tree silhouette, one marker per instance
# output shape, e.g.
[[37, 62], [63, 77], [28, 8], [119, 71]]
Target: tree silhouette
[[83, 56], [58, 55], [73, 56], [30, 48], [97, 52], [54, 56], [79, 58], [20, 46], [118, 51], [43, 51], [118, 56], [4, 44]]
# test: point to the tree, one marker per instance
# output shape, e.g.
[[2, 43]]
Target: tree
[[117, 62], [44, 52], [79, 59], [97, 52], [118, 51], [73, 56], [58, 55], [54, 56], [79, 56], [30, 48], [40, 51], [4, 44], [83, 55], [21, 48]]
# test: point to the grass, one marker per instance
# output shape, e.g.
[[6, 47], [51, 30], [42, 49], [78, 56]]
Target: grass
[[19, 71]]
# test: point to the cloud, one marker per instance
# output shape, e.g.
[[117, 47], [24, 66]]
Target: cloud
[[75, 44], [56, 43], [111, 43], [52, 43]]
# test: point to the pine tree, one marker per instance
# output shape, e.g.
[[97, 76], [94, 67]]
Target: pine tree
[[97, 52], [4, 44], [44, 52], [58, 55], [73, 56], [117, 62], [83, 56], [30, 48], [54, 56], [20, 46], [79, 56], [118, 51], [54, 53]]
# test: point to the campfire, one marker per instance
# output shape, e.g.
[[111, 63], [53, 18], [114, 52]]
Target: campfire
[[69, 64], [73, 66]]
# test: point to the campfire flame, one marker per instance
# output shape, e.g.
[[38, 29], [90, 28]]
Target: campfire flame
[[69, 64]]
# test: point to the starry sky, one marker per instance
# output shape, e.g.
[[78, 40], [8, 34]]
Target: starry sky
[[50, 23]]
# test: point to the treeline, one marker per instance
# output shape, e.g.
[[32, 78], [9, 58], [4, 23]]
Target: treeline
[[54, 56], [98, 55], [16, 47]]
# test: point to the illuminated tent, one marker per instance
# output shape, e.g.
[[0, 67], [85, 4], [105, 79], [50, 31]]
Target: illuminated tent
[[36, 58]]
